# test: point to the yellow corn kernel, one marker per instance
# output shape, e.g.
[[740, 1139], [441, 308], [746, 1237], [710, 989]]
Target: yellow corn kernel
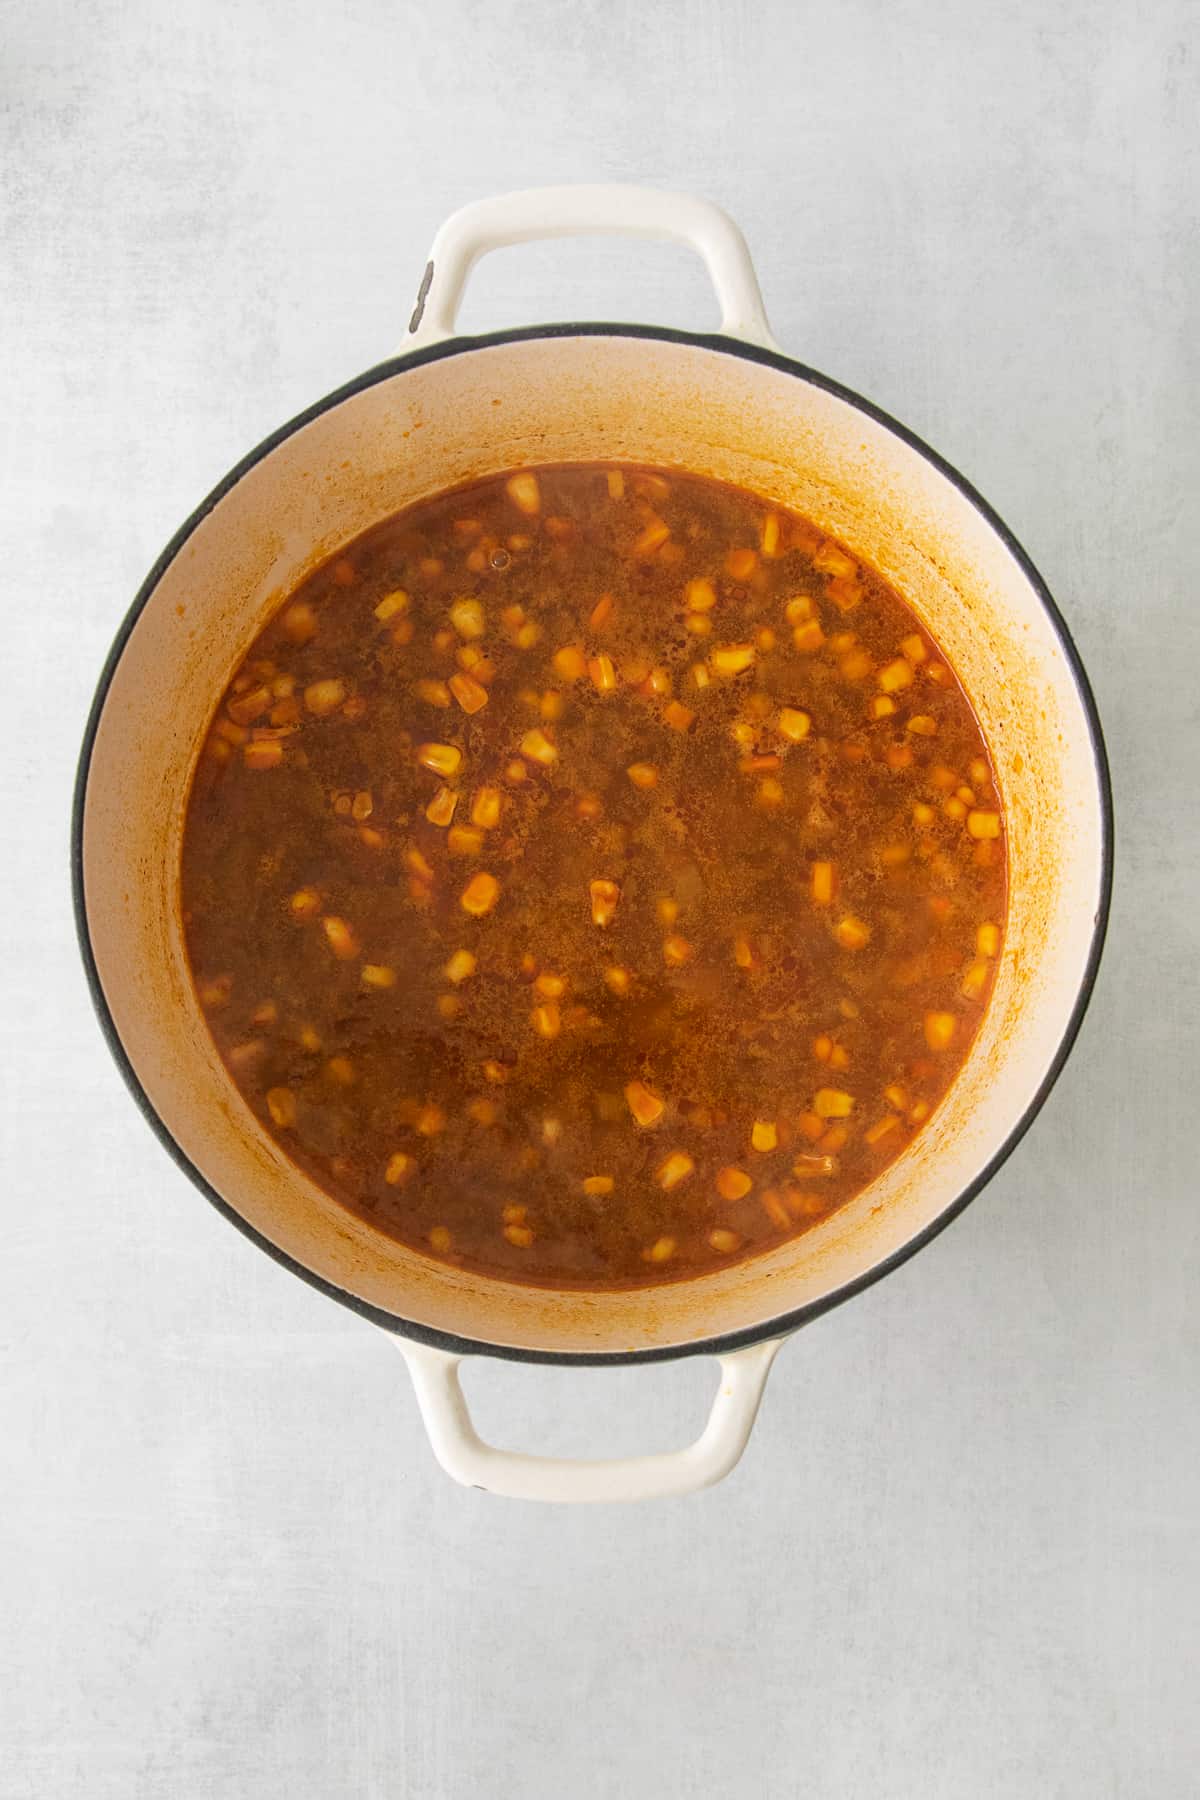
[[966, 795], [305, 903], [675, 1169], [429, 1120], [440, 759], [987, 940], [448, 1006], [299, 622], [603, 674], [770, 792], [598, 1184], [939, 1030], [882, 705], [764, 1135], [799, 608], [642, 775], [913, 647], [400, 1168], [896, 675], [660, 1251], [440, 810], [547, 1020], [461, 966], [281, 1104], [733, 1183], [856, 665], [743, 733], [831, 559], [464, 840], [341, 939], [480, 894], [765, 639], [616, 484], [677, 951], [341, 1070], [495, 1072], [954, 809], [324, 697], [851, 932], [881, 1129], [570, 662], [724, 1240], [699, 624], [923, 814], [770, 535], [418, 864], [524, 492], [923, 725], [549, 986], [732, 659], [527, 635], [520, 1236], [794, 725], [918, 1113], [832, 1103], [983, 824], [441, 1240], [601, 613], [433, 693], [678, 716], [652, 537], [604, 897], [667, 909], [589, 806], [538, 748], [469, 693], [378, 975], [516, 772], [809, 636], [263, 753], [699, 596], [392, 604], [823, 1047], [743, 952], [700, 675], [643, 1103], [741, 564], [823, 882], [485, 808], [617, 979], [483, 1111], [975, 980]]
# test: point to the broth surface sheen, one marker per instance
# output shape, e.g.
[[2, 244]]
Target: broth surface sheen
[[593, 875]]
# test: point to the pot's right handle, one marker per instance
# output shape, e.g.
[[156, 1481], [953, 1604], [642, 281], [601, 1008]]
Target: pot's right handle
[[464, 1455], [604, 210]]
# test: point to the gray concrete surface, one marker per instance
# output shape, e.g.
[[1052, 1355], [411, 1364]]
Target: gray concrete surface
[[962, 1559]]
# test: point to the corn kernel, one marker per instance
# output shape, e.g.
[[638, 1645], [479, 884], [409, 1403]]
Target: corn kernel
[[440, 1240], [678, 716], [743, 952], [480, 894], [340, 938], [400, 1169], [675, 1169], [882, 705], [538, 748], [975, 980], [460, 967], [660, 1251], [482, 1111], [794, 725], [440, 810], [677, 951], [733, 1183], [823, 882], [732, 659], [764, 1135], [547, 1020], [832, 1103], [983, 824], [741, 564], [433, 693], [770, 535], [392, 605], [923, 725], [378, 975], [324, 697], [598, 1184], [263, 753], [617, 979], [851, 932], [954, 809], [652, 537], [643, 775], [604, 898], [896, 675], [494, 1071], [485, 808], [881, 1129], [471, 696], [341, 1070], [281, 1104], [299, 622], [603, 674], [987, 940], [305, 903], [601, 613], [616, 484], [570, 662], [524, 492], [520, 1236], [939, 1030], [809, 636], [699, 596], [440, 759], [643, 1103]]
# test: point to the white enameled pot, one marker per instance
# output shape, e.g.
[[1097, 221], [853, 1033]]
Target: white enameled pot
[[448, 409]]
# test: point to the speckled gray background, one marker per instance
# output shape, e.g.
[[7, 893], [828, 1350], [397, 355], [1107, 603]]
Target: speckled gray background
[[962, 1558]]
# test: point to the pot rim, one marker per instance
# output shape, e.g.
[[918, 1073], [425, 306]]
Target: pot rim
[[720, 1343]]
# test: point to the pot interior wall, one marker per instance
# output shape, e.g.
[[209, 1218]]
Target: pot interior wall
[[419, 429]]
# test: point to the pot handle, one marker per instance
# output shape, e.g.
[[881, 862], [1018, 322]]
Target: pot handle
[[464, 1455], [602, 210]]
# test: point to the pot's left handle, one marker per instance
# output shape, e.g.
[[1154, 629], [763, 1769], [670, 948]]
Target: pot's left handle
[[602, 210], [464, 1455]]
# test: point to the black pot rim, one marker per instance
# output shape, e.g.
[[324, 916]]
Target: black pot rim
[[785, 1322]]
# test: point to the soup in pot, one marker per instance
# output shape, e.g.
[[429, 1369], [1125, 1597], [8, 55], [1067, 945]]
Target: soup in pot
[[594, 875]]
